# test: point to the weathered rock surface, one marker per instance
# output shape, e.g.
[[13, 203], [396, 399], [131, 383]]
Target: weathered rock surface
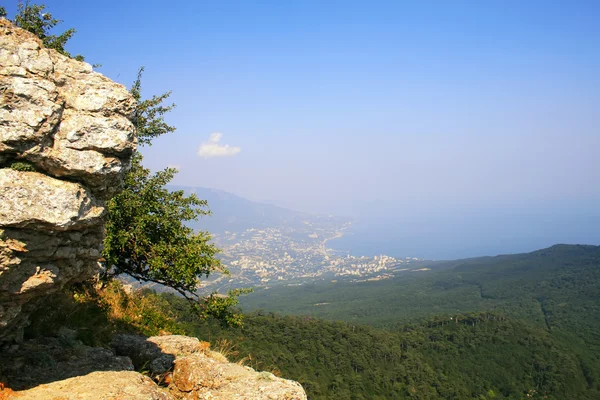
[[97, 386], [157, 353], [61, 115], [184, 366], [198, 373], [202, 377], [71, 126]]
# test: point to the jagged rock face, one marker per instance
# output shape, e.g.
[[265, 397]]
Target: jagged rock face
[[72, 127], [185, 368]]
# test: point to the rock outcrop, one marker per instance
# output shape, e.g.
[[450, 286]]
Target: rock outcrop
[[191, 371], [182, 368], [66, 140]]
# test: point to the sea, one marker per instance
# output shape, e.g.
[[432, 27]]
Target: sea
[[463, 238]]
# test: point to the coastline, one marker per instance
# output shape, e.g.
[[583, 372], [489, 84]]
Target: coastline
[[338, 234]]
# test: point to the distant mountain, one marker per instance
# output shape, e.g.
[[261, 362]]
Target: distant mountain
[[234, 213]]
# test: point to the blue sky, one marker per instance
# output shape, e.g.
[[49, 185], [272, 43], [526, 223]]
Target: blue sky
[[403, 109]]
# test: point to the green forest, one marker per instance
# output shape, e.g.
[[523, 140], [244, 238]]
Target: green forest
[[517, 326], [478, 355], [508, 327]]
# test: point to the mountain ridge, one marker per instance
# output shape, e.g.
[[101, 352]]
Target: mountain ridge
[[231, 212]]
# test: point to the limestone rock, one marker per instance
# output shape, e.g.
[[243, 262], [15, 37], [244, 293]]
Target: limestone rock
[[178, 345], [31, 198], [143, 353], [97, 386], [189, 371], [203, 376], [157, 353], [60, 115], [198, 373], [72, 127]]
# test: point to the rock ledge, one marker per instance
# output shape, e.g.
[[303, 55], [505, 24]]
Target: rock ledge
[[183, 367]]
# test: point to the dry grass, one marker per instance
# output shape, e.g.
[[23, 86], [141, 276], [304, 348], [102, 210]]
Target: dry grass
[[226, 348], [147, 313], [256, 365], [251, 362], [99, 311]]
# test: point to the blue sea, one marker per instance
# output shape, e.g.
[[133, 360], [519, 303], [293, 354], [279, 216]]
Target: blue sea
[[465, 237]]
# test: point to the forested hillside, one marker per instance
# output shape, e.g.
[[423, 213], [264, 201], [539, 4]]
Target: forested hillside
[[509, 327], [552, 295], [471, 356], [519, 283]]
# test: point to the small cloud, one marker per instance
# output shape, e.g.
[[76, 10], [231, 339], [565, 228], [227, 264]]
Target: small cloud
[[174, 166], [215, 137], [213, 148]]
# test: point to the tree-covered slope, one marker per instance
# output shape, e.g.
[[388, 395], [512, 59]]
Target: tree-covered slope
[[555, 289], [473, 356], [537, 339], [513, 283]]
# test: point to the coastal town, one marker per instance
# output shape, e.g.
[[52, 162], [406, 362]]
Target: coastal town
[[264, 257]]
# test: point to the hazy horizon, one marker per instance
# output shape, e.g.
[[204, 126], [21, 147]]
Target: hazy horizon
[[464, 125]]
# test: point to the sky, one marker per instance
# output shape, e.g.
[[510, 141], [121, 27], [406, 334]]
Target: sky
[[484, 112]]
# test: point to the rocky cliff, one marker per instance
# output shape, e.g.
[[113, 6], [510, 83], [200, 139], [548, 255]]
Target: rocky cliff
[[65, 143]]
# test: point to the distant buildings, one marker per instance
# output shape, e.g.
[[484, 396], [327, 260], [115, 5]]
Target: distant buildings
[[256, 257]]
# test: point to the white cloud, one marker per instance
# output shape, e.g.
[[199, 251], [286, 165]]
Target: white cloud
[[213, 148]]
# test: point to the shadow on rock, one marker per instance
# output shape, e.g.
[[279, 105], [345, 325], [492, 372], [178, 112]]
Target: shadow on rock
[[44, 360]]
